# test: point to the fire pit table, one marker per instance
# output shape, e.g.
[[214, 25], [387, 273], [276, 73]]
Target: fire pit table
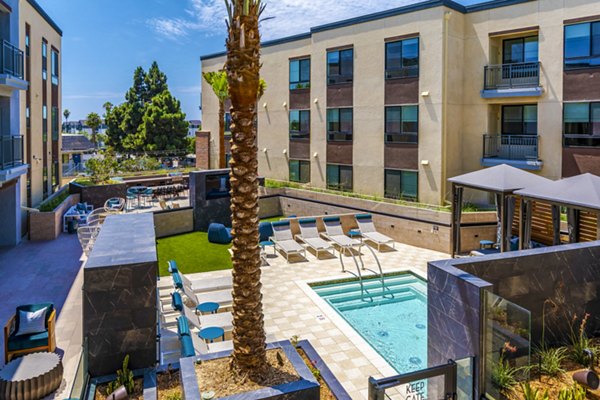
[[30, 377]]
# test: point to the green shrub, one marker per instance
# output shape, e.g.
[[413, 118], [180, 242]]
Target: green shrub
[[124, 378], [580, 342], [550, 361], [504, 376], [530, 393], [101, 169], [574, 392], [54, 202]]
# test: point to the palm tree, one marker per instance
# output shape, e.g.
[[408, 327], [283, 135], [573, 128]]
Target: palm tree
[[243, 68], [218, 82], [67, 114]]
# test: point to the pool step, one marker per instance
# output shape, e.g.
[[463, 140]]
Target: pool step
[[365, 303], [374, 293], [353, 286]]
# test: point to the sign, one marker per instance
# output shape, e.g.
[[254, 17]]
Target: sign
[[416, 391]]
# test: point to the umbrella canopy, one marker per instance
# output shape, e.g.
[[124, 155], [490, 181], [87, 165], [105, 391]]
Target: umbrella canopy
[[581, 191], [501, 178]]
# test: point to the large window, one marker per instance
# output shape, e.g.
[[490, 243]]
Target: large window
[[340, 66], [339, 124], [300, 171], [520, 50], [299, 124], [44, 60], [519, 120], [402, 124], [54, 123], [582, 124], [54, 67], [44, 123], [45, 182], [402, 59], [339, 177], [582, 45], [300, 74], [227, 122], [401, 184]]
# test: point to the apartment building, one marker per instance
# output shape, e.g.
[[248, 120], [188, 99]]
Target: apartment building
[[394, 103], [30, 98]]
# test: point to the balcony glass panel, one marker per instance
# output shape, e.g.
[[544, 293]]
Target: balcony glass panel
[[12, 60], [11, 151]]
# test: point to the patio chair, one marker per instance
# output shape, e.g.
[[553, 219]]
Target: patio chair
[[309, 234], [221, 297], [222, 320], [335, 233], [368, 232], [199, 285], [114, 204], [284, 241], [23, 336]]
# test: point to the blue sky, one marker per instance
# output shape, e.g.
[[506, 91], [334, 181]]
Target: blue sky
[[104, 41]]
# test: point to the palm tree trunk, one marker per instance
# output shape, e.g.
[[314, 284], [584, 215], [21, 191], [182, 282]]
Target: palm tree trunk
[[222, 162], [243, 67]]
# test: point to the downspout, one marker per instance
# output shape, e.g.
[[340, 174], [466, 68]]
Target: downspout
[[444, 154]]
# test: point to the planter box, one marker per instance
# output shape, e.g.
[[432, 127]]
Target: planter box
[[98, 194], [307, 388], [48, 225]]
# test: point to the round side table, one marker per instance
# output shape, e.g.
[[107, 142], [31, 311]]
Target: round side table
[[32, 376], [208, 307], [211, 333]]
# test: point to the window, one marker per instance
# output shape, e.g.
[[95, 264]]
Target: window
[[400, 184], [402, 59], [339, 177], [519, 120], [44, 123], [227, 122], [44, 60], [54, 175], [27, 40], [300, 171], [402, 124], [45, 180], [582, 45], [299, 124], [520, 50], [300, 74], [339, 124], [582, 124], [54, 67], [54, 123], [340, 66], [27, 116]]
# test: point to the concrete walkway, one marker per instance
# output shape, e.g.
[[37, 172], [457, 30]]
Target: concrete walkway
[[36, 272]]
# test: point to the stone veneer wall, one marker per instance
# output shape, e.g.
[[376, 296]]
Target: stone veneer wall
[[97, 195], [173, 222], [206, 210], [48, 225], [119, 295]]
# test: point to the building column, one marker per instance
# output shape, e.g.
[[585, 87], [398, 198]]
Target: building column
[[10, 213]]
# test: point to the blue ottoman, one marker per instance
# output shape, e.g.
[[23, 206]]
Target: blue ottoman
[[218, 233]]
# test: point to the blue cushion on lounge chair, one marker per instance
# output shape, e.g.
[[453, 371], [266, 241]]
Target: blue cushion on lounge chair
[[331, 219], [217, 233], [307, 221], [172, 266], [29, 341], [81, 207], [32, 308], [281, 223], [183, 328], [177, 282], [265, 229], [187, 346], [176, 301], [363, 216]]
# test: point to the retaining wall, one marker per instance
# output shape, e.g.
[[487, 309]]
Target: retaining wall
[[173, 222], [48, 225]]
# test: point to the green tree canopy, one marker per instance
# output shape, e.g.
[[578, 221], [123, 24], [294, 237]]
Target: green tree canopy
[[164, 126], [93, 121]]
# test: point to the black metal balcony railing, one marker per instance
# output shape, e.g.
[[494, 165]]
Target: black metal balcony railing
[[11, 151], [508, 76], [11, 62], [511, 147]]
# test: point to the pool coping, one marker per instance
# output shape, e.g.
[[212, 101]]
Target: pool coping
[[368, 351]]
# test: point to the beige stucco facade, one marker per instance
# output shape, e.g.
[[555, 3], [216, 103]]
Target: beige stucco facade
[[454, 48]]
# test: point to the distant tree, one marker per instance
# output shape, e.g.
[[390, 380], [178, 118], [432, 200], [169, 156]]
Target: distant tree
[[155, 81], [93, 121], [218, 83], [191, 145], [107, 107], [164, 126], [67, 114]]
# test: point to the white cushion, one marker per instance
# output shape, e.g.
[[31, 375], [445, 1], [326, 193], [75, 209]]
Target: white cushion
[[32, 322]]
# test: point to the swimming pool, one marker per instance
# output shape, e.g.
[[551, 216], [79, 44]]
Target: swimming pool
[[392, 319]]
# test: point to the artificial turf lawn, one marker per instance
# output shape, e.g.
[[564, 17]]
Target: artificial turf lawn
[[193, 253]]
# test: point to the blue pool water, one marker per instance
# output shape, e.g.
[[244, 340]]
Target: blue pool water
[[392, 320]]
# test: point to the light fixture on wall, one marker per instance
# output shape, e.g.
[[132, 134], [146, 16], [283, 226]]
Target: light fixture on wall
[[265, 150], [424, 162], [37, 159], [284, 104], [315, 155], [264, 105], [316, 101], [284, 151], [425, 94]]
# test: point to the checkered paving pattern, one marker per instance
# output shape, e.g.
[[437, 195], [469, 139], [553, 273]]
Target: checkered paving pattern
[[292, 308]]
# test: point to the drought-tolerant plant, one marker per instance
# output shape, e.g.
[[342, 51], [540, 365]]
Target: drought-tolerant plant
[[574, 392], [579, 341], [530, 393], [175, 396], [54, 202], [124, 378], [313, 368], [550, 360], [504, 376], [294, 340], [101, 168]]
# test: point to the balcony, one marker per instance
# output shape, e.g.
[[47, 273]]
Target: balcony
[[11, 157], [512, 80], [519, 151], [11, 69]]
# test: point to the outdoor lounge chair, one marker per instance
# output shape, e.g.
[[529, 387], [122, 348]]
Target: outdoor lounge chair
[[19, 339], [222, 297], [115, 204], [309, 234], [222, 320], [284, 241], [335, 233], [199, 285], [368, 232]]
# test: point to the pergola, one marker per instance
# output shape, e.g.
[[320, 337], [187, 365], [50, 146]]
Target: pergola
[[578, 194], [502, 180]]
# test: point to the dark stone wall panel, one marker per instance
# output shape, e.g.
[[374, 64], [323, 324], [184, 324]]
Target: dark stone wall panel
[[300, 99], [300, 149], [339, 153], [401, 156], [402, 91], [581, 85], [578, 160], [340, 95]]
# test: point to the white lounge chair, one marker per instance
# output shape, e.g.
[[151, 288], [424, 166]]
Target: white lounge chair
[[335, 233], [221, 297], [309, 234], [222, 320], [202, 284], [201, 347], [284, 241], [368, 232]]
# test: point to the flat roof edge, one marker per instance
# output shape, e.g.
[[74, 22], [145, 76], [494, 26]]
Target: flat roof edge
[[45, 15]]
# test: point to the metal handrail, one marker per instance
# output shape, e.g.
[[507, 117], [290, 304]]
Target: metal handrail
[[376, 260], [508, 76], [11, 62], [511, 147], [359, 274]]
